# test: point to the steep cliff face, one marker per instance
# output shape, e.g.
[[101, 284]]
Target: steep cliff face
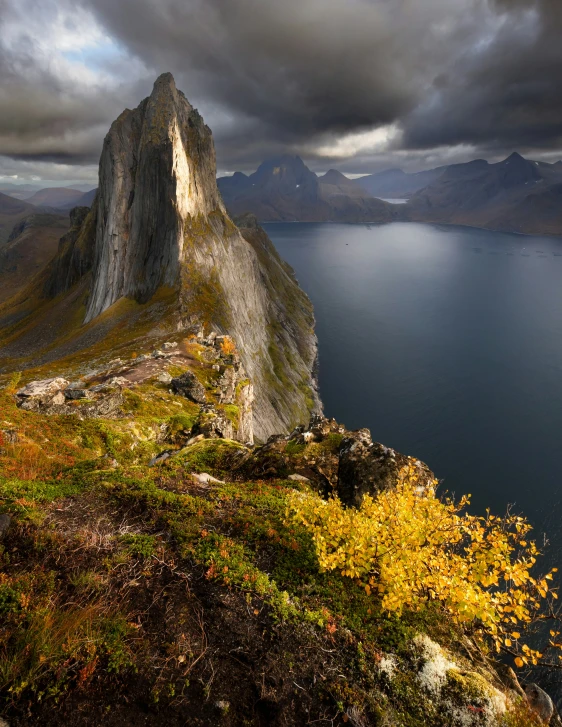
[[160, 223], [157, 174]]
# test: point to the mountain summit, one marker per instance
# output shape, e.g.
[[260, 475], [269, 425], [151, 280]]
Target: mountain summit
[[157, 175], [158, 236]]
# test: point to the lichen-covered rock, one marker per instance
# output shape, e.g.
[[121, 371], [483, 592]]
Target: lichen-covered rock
[[43, 388], [9, 436], [213, 424], [467, 697], [5, 522], [539, 701], [189, 386]]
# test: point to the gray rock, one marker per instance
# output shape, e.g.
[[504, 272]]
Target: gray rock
[[189, 386], [74, 394], [159, 458], [164, 378], [169, 345], [58, 399], [42, 388], [204, 478], [119, 382], [5, 522], [298, 478], [539, 701], [368, 467], [214, 424], [194, 440]]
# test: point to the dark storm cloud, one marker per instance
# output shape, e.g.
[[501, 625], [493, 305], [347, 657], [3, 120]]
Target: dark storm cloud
[[290, 72], [50, 109], [455, 78], [505, 94]]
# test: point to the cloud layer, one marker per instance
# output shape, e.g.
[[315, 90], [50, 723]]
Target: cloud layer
[[358, 83]]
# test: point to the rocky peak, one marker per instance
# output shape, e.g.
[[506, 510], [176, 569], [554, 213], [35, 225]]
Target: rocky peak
[[158, 223], [516, 170], [285, 173], [333, 176], [157, 170]]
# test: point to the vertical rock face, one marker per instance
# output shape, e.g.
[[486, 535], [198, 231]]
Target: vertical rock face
[[157, 172], [160, 223]]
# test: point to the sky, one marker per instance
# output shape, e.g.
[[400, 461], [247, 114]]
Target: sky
[[360, 85]]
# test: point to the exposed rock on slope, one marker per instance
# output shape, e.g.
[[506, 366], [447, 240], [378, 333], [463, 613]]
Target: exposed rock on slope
[[158, 224], [75, 251]]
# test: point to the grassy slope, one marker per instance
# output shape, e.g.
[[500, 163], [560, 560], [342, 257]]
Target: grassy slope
[[29, 253], [134, 595]]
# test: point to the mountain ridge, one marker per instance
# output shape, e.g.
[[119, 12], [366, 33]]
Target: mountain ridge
[[283, 188], [475, 193]]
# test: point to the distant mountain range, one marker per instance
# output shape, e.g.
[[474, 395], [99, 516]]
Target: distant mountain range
[[56, 197], [285, 189], [515, 195]]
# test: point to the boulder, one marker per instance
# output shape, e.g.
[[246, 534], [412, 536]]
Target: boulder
[[189, 386], [164, 378], [204, 479], [9, 436], [169, 345], [214, 424], [45, 388], [75, 394], [367, 467], [539, 701], [298, 478], [159, 458]]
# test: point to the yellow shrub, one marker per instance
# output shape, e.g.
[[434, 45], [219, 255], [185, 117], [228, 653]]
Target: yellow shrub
[[410, 547], [228, 347]]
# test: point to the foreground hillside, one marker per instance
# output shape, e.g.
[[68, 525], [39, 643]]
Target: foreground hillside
[[152, 573]]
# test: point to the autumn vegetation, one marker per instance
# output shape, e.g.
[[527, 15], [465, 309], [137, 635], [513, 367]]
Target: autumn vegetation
[[409, 547]]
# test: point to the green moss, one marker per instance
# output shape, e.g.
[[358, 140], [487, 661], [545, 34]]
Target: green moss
[[233, 413], [181, 423], [141, 546]]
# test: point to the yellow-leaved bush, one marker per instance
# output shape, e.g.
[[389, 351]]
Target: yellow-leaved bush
[[409, 546]]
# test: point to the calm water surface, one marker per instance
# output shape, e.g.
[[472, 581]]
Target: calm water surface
[[447, 343]]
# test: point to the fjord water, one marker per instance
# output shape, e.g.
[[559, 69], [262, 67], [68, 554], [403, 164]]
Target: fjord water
[[447, 343]]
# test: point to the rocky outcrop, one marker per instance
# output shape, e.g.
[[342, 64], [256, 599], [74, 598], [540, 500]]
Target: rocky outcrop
[[367, 467], [189, 386], [540, 702], [343, 463], [160, 224]]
